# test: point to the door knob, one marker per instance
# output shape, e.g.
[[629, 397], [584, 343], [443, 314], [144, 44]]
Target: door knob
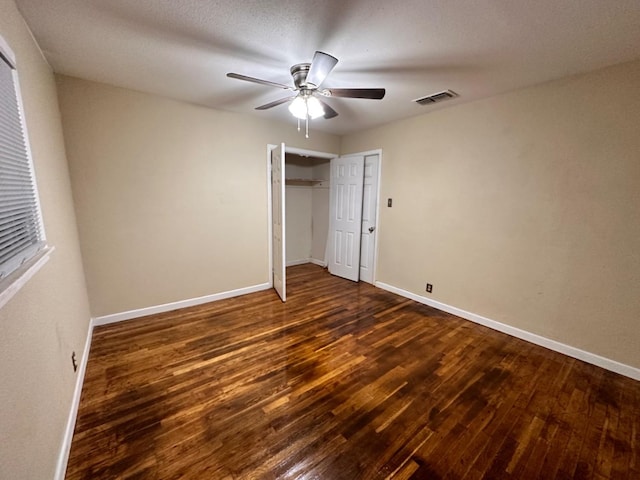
[[371, 229]]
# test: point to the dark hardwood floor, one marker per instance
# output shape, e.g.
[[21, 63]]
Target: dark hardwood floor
[[344, 381]]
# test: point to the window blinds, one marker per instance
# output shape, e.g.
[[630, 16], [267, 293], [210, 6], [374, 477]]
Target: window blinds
[[20, 230]]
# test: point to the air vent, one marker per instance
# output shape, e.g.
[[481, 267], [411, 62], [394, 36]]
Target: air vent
[[436, 97]]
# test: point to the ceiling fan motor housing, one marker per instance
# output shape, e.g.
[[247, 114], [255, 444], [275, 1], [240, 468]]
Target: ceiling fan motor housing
[[299, 73]]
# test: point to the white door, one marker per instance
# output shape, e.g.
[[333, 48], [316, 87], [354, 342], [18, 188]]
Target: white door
[[345, 216], [369, 211], [278, 221]]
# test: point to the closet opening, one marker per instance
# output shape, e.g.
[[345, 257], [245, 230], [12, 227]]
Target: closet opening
[[323, 210], [307, 181]]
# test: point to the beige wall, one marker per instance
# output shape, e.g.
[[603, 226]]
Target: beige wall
[[171, 198], [49, 317], [298, 208], [523, 208], [298, 223], [298, 167], [320, 209], [319, 221]]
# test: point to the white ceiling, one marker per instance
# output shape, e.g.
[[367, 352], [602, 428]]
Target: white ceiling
[[182, 49]]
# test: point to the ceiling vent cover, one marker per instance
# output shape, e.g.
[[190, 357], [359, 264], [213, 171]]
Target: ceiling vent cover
[[436, 97]]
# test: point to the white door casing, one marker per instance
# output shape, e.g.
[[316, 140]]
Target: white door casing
[[345, 210], [369, 215], [278, 221]]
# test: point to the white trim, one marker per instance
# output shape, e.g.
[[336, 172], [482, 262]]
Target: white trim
[[300, 261], [142, 312], [63, 457], [12, 284], [592, 358], [315, 261]]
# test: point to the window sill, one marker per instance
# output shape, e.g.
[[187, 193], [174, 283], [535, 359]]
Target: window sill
[[13, 283]]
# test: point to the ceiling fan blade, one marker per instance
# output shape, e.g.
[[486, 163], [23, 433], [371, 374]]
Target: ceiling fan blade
[[328, 111], [275, 103], [321, 66], [371, 93], [237, 76]]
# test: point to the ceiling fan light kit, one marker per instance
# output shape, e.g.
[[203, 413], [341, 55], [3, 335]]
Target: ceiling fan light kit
[[304, 106], [307, 78]]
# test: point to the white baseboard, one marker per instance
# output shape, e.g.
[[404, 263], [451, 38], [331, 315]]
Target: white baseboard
[[142, 312], [300, 261], [568, 350], [63, 457]]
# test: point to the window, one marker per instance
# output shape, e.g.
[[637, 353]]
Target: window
[[21, 230]]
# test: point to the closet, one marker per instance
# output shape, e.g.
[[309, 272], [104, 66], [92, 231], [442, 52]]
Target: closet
[[323, 210], [307, 209]]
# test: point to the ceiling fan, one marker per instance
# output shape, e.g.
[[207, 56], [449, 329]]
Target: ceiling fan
[[307, 80]]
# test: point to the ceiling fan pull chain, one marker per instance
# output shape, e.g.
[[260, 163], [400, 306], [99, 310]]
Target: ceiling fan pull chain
[[298, 124], [306, 135]]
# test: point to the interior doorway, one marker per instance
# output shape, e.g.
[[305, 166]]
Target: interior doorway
[[307, 209], [302, 181]]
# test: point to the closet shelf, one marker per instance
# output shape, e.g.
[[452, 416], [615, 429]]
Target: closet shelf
[[302, 181]]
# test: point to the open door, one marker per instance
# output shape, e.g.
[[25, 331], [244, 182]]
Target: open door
[[278, 221], [369, 215], [345, 221]]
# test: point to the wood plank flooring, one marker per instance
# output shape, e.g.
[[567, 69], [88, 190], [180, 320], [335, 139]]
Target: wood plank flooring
[[344, 381]]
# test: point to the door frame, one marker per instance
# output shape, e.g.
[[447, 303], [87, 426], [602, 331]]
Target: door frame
[[295, 151]]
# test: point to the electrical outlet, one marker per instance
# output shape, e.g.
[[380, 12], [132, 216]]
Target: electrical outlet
[[429, 288], [73, 362]]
